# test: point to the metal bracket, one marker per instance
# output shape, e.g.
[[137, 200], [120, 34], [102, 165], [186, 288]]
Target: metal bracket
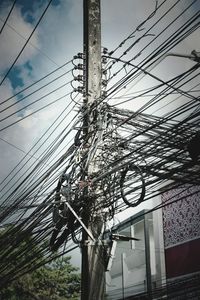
[[79, 220]]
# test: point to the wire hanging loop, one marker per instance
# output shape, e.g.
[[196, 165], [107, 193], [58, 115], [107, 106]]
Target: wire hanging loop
[[132, 185]]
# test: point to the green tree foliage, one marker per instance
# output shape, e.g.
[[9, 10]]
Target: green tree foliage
[[58, 280], [24, 274]]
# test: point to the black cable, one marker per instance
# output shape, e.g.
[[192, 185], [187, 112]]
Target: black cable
[[45, 85], [10, 11], [34, 112], [158, 79], [131, 35], [16, 147], [40, 139], [152, 27], [5, 76], [30, 174], [131, 167], [35, 185], [181, 29], [33, 102], [32, 45], [37, 81]]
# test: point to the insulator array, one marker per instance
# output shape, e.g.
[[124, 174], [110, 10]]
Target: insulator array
[[104, 74], [79, 76]]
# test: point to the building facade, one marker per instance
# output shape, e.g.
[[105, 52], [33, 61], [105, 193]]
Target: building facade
[[165, 262]]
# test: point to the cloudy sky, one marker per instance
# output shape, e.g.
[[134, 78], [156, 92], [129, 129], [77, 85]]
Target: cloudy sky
[[54, 42]]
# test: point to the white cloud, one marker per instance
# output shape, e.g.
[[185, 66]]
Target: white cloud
[[61, 33], [59, 37], [49, 35], [13, 38]]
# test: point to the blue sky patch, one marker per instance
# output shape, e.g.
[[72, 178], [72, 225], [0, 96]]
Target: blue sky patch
[[28, 8], [29, 68], [56, 2], [15, 78]]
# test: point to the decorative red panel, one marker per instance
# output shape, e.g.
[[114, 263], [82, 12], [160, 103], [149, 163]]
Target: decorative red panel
[[181, 219], [183, 259]]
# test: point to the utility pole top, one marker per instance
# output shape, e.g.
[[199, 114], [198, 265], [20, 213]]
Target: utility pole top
[[92, 49]]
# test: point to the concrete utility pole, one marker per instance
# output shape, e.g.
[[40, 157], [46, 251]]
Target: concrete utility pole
[[93, 270]]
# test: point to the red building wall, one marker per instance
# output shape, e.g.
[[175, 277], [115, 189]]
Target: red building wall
[[181, 225]]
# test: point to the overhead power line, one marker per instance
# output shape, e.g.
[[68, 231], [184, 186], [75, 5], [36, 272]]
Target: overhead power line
[[16, 147], [16, 59], [11, 9], [136, 153], [34, 112], [38, 49], [34, 83], [34, 101]]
